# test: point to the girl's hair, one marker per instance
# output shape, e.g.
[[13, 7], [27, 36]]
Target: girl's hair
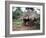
[[27, 8]]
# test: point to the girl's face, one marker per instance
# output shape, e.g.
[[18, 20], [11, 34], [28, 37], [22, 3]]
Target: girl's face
[[31, 11]]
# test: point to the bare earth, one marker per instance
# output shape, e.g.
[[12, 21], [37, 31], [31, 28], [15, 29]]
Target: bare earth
[[23, 27]]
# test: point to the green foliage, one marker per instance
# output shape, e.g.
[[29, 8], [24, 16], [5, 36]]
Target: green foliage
[[17, 13], [37, 23]]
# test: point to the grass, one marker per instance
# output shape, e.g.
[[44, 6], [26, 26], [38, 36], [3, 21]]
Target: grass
[[17, 22]]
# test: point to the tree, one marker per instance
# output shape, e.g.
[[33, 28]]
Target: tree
[[17, 13]]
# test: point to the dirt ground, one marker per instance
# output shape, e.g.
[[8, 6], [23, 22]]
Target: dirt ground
[[23, 27]]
